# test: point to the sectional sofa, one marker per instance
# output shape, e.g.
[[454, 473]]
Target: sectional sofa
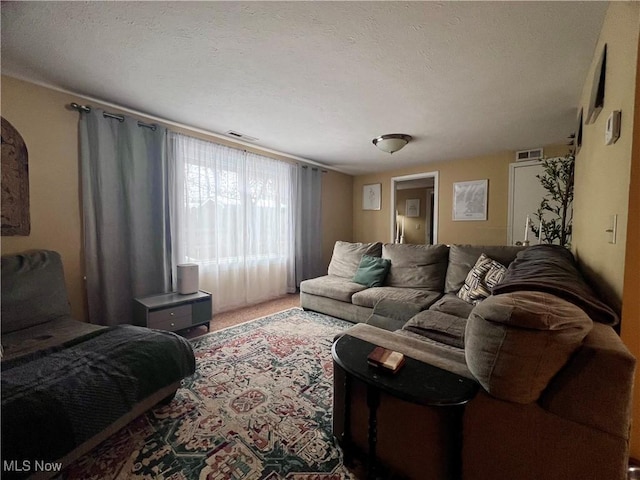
[[426, 276], [556, 380]]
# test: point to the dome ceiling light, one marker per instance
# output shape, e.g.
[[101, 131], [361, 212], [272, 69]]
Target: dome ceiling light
[[391, 142]]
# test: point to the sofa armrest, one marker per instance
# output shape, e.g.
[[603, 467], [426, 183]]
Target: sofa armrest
[[421, 349], [595, 386]]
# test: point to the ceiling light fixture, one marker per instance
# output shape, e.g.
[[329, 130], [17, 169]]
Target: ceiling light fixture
[[392, 142]]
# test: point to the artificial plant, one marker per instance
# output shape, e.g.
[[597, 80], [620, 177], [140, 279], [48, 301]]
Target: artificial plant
[[555, 213]]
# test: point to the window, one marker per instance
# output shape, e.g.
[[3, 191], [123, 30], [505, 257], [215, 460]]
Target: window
[[234, 214]]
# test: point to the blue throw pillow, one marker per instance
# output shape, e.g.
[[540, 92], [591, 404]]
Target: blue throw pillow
[[372, 271]]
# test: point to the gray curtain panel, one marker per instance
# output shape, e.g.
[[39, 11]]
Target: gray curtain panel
[[309, 224], [127, 244]]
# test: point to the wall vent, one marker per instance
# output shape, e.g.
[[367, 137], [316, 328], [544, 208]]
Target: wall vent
[[534, 154], [241, 136]]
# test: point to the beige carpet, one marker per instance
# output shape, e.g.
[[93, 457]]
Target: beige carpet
[[241, 315]]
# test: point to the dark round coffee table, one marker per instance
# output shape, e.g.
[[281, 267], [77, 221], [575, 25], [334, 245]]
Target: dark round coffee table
[[416, 382]]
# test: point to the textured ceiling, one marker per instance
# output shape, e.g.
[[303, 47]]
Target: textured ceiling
[[320, 80]]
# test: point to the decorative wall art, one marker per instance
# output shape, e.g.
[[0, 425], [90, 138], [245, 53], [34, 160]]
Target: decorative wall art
[[371, 196], [15, 183], [577, 141], [412, 208], [470, 200], [596, 101]]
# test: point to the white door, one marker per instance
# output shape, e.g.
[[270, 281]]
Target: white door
[[525, 195]]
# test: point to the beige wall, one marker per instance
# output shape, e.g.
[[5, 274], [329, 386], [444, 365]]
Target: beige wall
[[337, 214], [605, 184], [602, 171], [374, 225], [631, 291], [50, 132]]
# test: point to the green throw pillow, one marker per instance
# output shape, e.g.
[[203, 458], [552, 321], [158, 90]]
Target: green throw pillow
[[372, 271]]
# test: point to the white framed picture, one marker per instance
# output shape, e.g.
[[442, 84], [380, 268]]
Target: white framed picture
[[412, 208], [470, 200], [371, 196]]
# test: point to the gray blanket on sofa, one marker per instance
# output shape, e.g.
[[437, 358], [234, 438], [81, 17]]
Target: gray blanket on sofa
[[54, 400], [552, 269]]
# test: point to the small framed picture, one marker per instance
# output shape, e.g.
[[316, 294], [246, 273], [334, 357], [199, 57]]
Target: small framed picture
[[371, 196], [470, 200], [412, 208]]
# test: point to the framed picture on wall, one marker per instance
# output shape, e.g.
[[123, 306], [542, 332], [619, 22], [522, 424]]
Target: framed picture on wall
[[470, 200], [412, 208], [371, 196]]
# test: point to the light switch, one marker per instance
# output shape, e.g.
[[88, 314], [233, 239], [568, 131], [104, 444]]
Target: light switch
[[613, 228]]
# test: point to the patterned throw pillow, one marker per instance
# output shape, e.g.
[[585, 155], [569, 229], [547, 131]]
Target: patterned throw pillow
[[486, 274]]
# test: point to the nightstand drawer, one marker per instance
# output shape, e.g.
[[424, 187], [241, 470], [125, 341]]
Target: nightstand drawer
[[169, 313], [170, 323], [173, 311]]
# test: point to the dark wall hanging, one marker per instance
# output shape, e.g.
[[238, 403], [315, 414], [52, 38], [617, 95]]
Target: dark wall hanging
[[15, 183], [596, 101]]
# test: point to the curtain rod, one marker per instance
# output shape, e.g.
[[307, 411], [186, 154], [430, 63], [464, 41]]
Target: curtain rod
[[120, 118], [314, 168]]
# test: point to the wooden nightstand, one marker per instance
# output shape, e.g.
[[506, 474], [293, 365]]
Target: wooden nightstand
[[173, 311]]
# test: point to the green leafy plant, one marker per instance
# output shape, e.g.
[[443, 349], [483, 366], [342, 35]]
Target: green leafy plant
[[555, 213]]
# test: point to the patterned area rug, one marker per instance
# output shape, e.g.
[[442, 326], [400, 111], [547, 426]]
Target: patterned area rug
[[258, 407]]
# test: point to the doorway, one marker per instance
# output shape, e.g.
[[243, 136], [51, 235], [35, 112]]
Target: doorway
[[414, 208]]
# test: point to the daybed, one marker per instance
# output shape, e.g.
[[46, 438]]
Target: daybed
[[68, 385], [556, 380]]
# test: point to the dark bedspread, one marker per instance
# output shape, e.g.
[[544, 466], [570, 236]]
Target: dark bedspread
[[552, 269], [54, 400]]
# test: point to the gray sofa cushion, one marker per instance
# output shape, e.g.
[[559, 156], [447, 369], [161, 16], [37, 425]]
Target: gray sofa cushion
[[346, 257], [462, 258], [515, 343], [451, 304], [332, 287], [371, 296], [438, 326], [33, 289], [416, 266], [391, 314]]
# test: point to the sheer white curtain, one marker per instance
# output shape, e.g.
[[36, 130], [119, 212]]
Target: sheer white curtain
[[232, 214]]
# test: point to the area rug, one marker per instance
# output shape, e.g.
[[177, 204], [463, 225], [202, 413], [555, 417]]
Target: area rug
[[258, 407]]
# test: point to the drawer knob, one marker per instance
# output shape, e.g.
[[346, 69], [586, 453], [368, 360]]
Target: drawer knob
[[173, 324], [172, 314]]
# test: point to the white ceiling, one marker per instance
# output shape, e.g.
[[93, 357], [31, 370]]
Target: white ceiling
[[320, 80]]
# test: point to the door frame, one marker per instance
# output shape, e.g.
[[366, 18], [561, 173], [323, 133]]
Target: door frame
[[392, 197], [512, 178]]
